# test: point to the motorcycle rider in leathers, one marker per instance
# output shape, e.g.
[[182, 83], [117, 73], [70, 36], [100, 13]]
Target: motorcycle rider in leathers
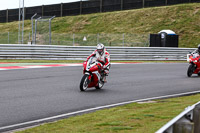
[[104, 58], [197, 51]]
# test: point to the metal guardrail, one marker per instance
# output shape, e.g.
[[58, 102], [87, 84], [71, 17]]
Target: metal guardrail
[[187, 121], [53, 52]]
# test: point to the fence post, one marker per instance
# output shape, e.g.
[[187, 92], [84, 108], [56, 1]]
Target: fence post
[[73, 39], [29, 37], [97, 38], [7, 16], [183, 126], [8, 38], [123, 39], [49, 32], [80, 7], [61, 9], [50, 28], [19, 31], [32, 41], [35, 31], [42, 10], [101, 4], [24, 12], [166, 2], [122, 4], [143, 3], [147, 44], [196, 118]]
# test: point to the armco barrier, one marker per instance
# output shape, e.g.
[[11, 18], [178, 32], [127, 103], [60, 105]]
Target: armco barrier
[[186, 122], [53, 52]]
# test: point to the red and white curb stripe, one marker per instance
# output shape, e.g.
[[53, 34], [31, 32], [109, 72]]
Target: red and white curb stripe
[[37, 66], [49, 65]]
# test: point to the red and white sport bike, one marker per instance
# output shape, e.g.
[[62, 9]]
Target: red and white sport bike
[[194, 67], [92, 75]]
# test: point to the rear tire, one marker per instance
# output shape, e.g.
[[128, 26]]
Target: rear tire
[[84, 83], [100, 85], [190, 70]]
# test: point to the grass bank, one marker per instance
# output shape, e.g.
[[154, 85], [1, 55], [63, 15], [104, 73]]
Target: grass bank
[[130, 118], [183, 19]]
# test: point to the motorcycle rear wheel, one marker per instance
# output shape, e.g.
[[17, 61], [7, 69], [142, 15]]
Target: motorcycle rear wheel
[[84, 83], [100, 85], [190, 70]]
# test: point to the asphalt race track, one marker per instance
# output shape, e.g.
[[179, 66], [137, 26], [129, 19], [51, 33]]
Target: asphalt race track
[[31, 94]]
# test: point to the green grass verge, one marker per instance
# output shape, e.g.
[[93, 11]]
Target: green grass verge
[[183, 19], [130, 118]]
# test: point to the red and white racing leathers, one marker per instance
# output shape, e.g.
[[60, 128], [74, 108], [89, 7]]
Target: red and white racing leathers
[[104, 59]]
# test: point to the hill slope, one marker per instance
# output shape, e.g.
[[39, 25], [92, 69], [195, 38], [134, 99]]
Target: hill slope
[[184, 19]]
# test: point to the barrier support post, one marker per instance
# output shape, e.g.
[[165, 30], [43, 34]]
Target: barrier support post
[[196, 118], [183, 126]]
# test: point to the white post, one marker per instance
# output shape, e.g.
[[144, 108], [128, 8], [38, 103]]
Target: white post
[[29, 37], [50, 29], [19, 31], [8, 38], [123, 39], [73, 39], [50, 32], [97, 38], [23, 24], [21, 13], [32, 27], [35, 31]]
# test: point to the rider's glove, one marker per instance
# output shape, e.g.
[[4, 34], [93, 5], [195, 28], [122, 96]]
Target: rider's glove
[[87, 59]]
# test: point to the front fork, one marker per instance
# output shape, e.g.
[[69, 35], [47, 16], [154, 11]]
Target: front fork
[[192, 63], [90, 77], [194, 66]]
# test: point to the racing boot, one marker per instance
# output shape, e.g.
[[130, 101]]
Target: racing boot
[[106, 72], [104, 79]]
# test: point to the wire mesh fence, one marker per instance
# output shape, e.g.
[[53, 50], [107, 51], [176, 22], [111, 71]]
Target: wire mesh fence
[[66, 39], [12, 38]]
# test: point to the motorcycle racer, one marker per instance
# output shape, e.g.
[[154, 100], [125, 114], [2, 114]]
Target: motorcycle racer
[[103, 57], [197, 51]]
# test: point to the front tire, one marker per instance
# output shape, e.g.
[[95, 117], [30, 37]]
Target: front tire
[[84, 83], [190, 70]]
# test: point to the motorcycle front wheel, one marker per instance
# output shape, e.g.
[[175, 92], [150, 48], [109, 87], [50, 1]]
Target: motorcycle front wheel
[[190, 70], [84, 82]]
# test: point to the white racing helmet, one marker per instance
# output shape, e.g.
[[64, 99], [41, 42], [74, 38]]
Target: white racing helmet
[[100, 48]]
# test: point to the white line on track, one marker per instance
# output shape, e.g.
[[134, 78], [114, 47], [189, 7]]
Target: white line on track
[[92, 109]]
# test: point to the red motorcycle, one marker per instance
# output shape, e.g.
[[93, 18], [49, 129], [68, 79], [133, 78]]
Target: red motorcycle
[[194, 67], [92, 75]]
